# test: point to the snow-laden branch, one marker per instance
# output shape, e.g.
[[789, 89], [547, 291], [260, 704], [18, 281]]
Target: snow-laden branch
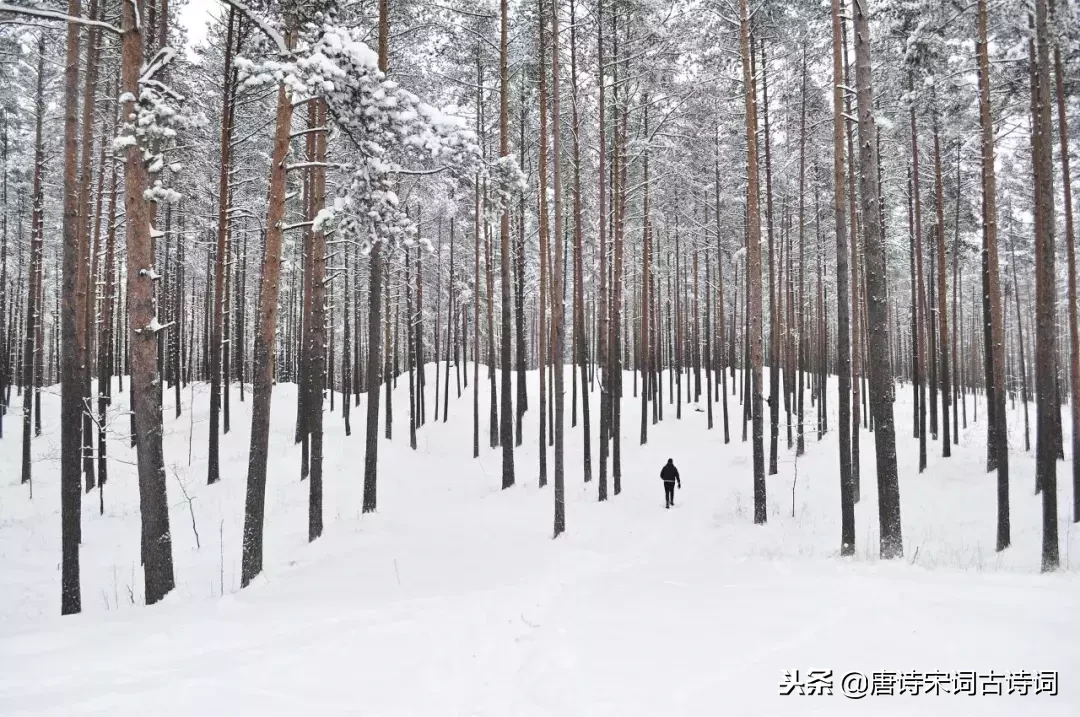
[[262, 24], [53, 15]]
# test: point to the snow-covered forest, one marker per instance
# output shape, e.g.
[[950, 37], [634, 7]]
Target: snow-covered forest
[[342, 345]]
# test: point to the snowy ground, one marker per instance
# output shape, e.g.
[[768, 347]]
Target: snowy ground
[[454, 600]]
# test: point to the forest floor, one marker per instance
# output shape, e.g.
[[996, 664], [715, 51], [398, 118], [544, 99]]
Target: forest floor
[[453, 599]]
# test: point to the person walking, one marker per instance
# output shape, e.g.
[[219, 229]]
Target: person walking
[[670, 475]]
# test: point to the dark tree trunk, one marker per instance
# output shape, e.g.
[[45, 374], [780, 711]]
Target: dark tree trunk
[[881, 378], [70, 370], [560, 276], [774, 315], [506, 429], [581, 357], [843, 345], [212, 459], [315, 344], [145, 393], [753, 266], [263, 370], [1048, 412], [943, 322], [602, 328], [542, 327]]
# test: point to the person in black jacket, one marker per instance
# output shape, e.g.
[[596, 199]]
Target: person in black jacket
[[670, 475]]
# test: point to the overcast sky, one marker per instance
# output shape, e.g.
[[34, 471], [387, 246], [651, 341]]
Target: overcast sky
[[194, 17]]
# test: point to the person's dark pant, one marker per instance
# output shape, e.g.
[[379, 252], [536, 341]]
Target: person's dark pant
[[669, 493]]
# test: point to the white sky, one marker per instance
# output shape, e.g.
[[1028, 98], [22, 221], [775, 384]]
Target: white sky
[[195, 16]]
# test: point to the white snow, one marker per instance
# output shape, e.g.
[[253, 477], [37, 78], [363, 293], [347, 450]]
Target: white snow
[[453, 599]]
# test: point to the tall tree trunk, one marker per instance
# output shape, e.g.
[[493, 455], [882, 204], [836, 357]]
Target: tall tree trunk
[[557, 315], [843, 343], [617, 311], [1047, 408], [643, 345], [1020, 355], [410, 349], [774, 315], [998, 444], [506, 429], [542, 328], [106, 357], [882, 382], [923, 323], [263, 370], [853, 253], [800, 439], [84, 290], [602, 328], [519, 286], [720, 298], [212, 458], [581, 358], [348, 376], [316, 340], [943, 321], [1070, 238], [70, 369], [489, 282], [34, 280], [146, 397], [957, 377], [753, 266], [375, 319], [450, 325]]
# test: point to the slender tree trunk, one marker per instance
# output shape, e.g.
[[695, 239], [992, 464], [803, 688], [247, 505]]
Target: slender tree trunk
[[854, 288], [882, 381], [843, 345], [800, 439], [1048, 412], [1070, 238], [579, 285], [519, 298], [957, 382], [377, 273], [410, 350], [720, 299], [619, 196], [105, 342], [753, 266], [70, 374], [84, 289], [263, 371], [774, 316], [602, 329], [34, 280], [146, 397], [557, 315], [1020, 356], [348, 376], [212, 458], [997, 445], [923, 323], [542, 360], [643, 345], [943, 321], [450, 323], [506, 429], [316, 341]]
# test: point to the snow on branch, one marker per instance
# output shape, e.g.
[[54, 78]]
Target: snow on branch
[[392, 132], [54, 15], [262, 24], [152, 123]]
